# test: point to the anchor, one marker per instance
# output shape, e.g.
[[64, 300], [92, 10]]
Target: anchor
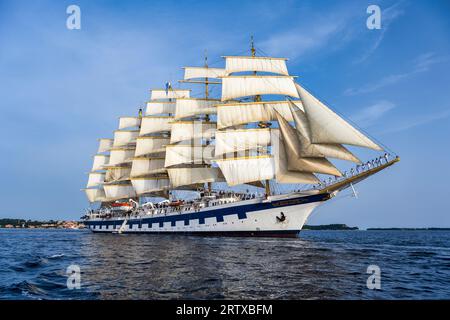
[[281, 218]]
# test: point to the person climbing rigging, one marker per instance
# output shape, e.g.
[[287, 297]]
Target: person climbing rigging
[[140, 117]]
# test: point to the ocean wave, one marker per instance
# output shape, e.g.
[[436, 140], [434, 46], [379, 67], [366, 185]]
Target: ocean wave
[[24, 290], [320, 265], [56, 256]]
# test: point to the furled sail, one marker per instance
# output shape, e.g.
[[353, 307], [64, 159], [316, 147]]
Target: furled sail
[[119, 191], [143, 166], [155, 124], [187, 176], [328, 127], [243, 86], [150, 185], [99, 161], [129, 122], [233, 114], [105, 145], [124, 137], [203, 72], [187, 130], [150, 145], [309, 149], [158, 94], [189, 107], [230, 141], [117, 173], [179, 154], [247, 169], [95, 195], [160, 107], [250, 63], [95, 179]]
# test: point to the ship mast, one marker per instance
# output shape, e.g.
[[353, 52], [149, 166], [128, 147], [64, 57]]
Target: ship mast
[[208, 141], [261, 124], [188, 162], [206, 80]]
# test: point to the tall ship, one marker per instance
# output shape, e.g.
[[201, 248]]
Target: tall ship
[[255, 160]]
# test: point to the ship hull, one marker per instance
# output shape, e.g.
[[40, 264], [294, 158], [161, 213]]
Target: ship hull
[[254, 218]]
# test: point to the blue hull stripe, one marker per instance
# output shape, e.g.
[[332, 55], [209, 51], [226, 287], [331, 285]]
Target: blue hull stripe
[[268, 233], [241, 211]]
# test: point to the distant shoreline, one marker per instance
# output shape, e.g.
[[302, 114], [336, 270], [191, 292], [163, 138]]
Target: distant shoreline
[[340, 226], [10, 223], [408, 229]]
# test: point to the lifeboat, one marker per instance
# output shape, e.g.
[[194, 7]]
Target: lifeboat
[[122, 205], [176, 203]]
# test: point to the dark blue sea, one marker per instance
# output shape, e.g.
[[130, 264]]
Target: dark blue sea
[[318, 265]]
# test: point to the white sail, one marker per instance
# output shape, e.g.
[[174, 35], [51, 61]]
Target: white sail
[[124, 137], [188, 154], [95, 179], [155, 124], [149, 185], [328, 127], [282, 174], [148, 145], [250, 63], [117, 173], [243, 86], [159, 107], [104, 145], [143, 166], [120, 155], [158, 94], [230, 141], [203, 72], [233, 114], [309, 149], [119, 191], [99, 161], [189, 107], [95, 195], [247, 169], [188, 176], [187, 130], [129, 122], [294, 148]]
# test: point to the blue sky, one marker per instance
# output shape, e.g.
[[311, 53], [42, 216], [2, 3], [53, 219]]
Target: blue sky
[[62, 89]]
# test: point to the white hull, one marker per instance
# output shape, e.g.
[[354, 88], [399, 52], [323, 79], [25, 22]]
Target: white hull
[[250, 217]]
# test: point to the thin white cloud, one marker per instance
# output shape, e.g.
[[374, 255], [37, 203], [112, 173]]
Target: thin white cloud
[[314, 33], [419, 121], [421, 64], [372, 113], [388, 16], [297, 42]]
